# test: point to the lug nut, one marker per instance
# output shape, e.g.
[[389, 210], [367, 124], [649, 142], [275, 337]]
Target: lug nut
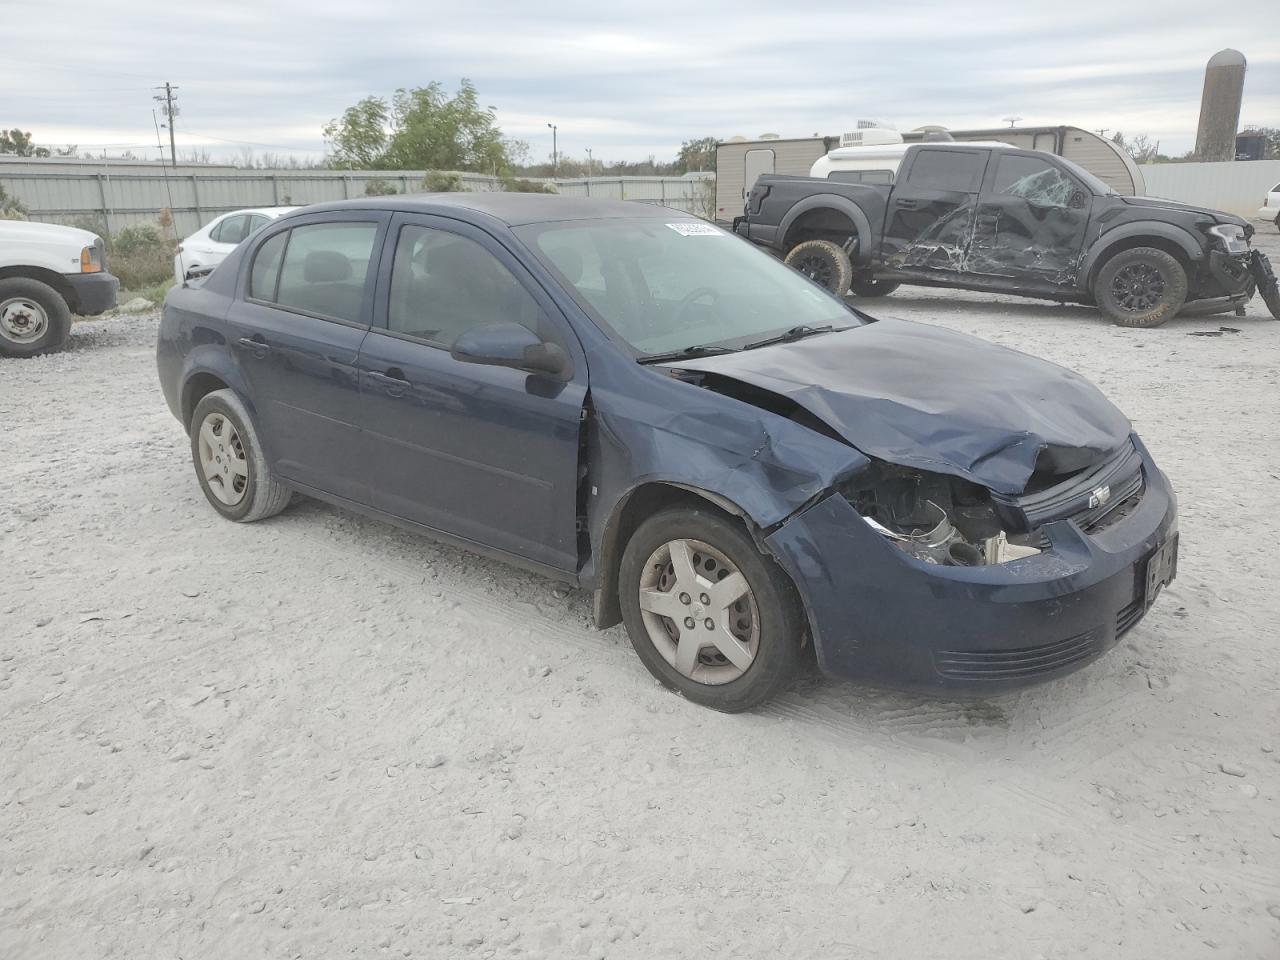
[[688, 622], [705, 599], [709, 623], [684, 598]]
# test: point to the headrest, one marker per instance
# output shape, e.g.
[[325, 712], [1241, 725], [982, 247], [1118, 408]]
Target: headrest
[[326, 266]]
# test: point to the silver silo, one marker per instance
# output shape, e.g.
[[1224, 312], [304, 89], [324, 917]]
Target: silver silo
[[1220, 106]]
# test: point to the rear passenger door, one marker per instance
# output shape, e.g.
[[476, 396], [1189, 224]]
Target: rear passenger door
[[931, 210], [486, 453], [307, 299]]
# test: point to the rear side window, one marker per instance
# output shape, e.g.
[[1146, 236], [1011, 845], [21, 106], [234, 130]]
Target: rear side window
[[957, 170], [231, 230], [266, 268], [324, 269]]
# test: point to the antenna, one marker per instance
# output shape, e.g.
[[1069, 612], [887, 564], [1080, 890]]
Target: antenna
[[170, 108], [182, 267]]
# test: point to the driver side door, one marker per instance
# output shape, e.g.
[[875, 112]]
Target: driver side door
[[486, 453], [1030, 224]]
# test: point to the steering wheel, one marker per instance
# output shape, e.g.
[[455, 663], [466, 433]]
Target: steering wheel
[[692, 297]]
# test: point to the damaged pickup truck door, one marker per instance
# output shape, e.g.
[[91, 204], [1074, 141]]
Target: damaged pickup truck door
[[931, 208], [468, 444], [1030, 223]]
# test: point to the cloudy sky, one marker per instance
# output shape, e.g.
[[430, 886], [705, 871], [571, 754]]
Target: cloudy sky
[[270, 73]]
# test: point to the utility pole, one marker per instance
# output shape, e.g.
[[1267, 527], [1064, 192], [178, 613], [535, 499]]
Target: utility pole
[[170, 107], [555, 154], [590, 163]]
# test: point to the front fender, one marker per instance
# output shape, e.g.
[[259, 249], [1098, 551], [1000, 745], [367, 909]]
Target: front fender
[[831, 201], [1096, 253]]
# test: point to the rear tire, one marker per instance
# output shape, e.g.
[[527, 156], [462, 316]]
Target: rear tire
[[823, 262], [33, 317], [873, 288], [233, 473], [731, 634], [1141, 287]]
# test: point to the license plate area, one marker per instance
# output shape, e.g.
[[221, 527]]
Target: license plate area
[[1162, 567]]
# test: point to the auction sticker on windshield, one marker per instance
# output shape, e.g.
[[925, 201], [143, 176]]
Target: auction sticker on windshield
[[696, 229]]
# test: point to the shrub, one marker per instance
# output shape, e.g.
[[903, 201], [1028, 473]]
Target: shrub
[[10, 207], [519, 185], [380, 188], [437, 181], [140, 256]]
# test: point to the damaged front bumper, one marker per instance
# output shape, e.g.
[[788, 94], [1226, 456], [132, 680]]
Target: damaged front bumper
[[881, 616], [1238, 276]]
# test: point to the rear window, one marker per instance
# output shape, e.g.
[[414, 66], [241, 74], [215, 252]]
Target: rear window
[[958, 170], [322, 272], [861, 176]]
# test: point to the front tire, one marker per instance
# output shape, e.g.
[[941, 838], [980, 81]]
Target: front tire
[[234, 475], [1141, 287], [33, 317], [707, 613], [823, 262]]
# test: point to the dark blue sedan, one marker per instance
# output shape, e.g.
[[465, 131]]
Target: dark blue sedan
[[737, 465]]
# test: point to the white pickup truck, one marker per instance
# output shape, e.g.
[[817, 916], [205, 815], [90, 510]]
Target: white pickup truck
[[47, 273]]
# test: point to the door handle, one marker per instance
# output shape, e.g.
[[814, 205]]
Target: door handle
[[259, 347], [394, 382], [906, 203]]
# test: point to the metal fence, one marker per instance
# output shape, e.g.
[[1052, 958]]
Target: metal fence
[[108, 200], [1235, 187]]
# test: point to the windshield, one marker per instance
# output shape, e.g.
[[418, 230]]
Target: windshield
[[665, 287], [1095, 185]]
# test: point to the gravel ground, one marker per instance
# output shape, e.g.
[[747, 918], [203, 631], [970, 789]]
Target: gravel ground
[[319, 736]]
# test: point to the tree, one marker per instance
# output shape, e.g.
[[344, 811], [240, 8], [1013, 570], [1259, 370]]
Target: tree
[[422, 128], [1272, 136], [1140, 147], [19, 144], [697, 154]]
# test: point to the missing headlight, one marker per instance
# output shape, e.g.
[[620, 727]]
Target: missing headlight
[[934, 518]]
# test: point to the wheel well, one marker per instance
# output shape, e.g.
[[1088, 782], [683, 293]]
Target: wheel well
[[821, 223], [49, 277], [196, 389], [642, 503], [1170, 247]]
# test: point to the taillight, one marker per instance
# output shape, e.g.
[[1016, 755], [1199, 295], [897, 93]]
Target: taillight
[[90, 260]]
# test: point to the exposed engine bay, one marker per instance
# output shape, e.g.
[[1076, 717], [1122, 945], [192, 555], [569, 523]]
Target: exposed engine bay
[[935, 518]]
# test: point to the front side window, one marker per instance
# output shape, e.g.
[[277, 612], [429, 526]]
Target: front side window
[[957, 170], [662, 287], [443, 284], [1033, 179], [323, 269], [231, 230]]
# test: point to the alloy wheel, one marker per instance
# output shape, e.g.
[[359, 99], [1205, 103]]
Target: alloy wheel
[[817, 268], [22, 320], [1138, 287], [222, 459], [699, 612]]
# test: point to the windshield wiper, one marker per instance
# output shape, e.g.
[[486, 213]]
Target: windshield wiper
[[795, 333], [687, 353]]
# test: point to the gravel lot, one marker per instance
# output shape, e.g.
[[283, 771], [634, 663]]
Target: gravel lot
[[319, 736]]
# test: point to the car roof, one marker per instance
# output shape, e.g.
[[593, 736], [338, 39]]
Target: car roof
[[513, 209], [265, 211]]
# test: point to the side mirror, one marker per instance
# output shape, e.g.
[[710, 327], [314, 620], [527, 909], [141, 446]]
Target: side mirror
[[1077, 200], [511, 345]]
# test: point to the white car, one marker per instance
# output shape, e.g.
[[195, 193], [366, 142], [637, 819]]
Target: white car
[[209, 246], [1270, 209]]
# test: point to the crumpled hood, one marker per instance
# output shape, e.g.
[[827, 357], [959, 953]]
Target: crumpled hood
[[924, 397]]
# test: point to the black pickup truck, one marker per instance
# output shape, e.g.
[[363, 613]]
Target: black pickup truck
[[1010, 221]]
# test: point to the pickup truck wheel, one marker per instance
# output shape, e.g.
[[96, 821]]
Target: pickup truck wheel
[[1142, 287], [234, 475], [823, 262], [708, 614], [33, 317], [873, 288]]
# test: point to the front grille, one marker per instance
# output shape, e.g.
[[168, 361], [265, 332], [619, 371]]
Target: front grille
[[1015, 664], [1130, 615], [1076, 497]]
